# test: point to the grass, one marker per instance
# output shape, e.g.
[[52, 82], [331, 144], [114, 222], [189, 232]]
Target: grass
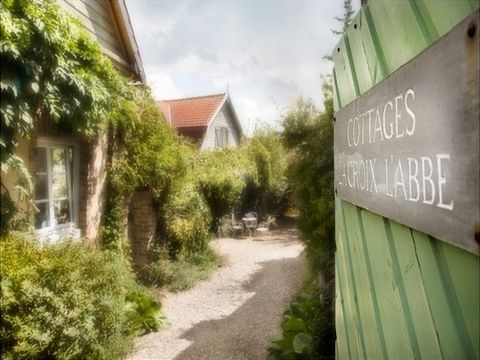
[[184, 273]]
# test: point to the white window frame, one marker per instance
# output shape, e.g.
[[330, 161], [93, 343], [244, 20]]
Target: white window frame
[[56, 232], [221, 136]]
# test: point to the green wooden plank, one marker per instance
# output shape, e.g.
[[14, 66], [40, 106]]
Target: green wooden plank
[[464, 272], [450, 339], [337, 103], [425, 297], [365, 304], [343, 341], [347, 283], [349, 313], [344, 77], [415, 303], [372, 43], [399, 33], [395, 331], [441, 16], [355, 48]]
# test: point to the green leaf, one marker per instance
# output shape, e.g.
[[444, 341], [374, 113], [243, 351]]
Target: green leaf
[[294, 324], [303, 344], [288, 355]]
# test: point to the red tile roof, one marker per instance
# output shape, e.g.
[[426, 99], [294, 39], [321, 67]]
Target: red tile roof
[[191, 112]]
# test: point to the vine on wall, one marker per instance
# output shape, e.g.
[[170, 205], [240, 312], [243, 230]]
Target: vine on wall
[[53, 71]]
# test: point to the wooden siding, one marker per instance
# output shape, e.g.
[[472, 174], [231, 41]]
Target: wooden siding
[[224, 118], [98, 19], [400, 294]]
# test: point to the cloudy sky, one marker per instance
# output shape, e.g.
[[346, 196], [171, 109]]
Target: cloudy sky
[[265, 52]]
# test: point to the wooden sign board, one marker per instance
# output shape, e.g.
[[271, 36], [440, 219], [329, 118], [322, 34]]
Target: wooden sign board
[[408, 149]]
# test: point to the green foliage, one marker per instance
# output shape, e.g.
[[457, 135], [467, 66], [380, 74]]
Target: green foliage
[[347, 18], [145, 315], [69, 301], [183, 273], [8, 212], [274, 198], [153, 156], [51, 71], [221, 176], [186, 220], [298, 325], [308, 134]]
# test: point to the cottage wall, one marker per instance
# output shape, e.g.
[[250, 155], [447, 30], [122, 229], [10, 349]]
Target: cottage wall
[[223, 119], [93, 177], [97, 18]]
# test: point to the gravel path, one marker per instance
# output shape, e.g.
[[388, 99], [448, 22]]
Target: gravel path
[[233, 315]]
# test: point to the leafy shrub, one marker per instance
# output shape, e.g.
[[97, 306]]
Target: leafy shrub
[[184, 220], [308, 135], [145, 315], [67, 300], [297, 340], [183, 273], [222, 179]]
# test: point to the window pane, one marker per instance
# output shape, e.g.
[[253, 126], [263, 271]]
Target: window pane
[[59, 186], [58, 160], [41, 187], [59, 174], [41, 218], [41, 160], [61, 211], [54, 182]]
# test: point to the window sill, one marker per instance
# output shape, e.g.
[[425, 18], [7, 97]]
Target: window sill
[[57, 233]]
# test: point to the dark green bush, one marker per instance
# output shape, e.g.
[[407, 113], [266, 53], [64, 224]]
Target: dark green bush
[[183, 273], [298, 325], [184, 220], [145, 316], [308, 135], [221, 176], [67, 300]]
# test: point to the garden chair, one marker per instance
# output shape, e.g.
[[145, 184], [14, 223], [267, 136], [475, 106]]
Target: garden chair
[[237, 225], [265, 225]]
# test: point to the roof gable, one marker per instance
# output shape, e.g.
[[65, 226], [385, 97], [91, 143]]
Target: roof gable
[[193, 117], [191, 112]]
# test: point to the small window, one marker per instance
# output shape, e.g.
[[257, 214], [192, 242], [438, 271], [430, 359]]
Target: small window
[[221, 137], [56, 184]]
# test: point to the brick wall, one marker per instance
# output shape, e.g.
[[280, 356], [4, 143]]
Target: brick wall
[[93, 174], [141, 227]]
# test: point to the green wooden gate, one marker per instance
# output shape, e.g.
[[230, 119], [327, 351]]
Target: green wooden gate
[[400, 293]]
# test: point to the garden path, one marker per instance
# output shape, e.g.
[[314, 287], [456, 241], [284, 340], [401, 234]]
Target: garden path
[[235, 313]]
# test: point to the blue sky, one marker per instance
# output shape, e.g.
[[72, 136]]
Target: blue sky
[[266, 52]]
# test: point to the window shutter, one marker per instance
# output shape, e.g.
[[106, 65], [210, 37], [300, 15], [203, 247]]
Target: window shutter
[[218, 135]]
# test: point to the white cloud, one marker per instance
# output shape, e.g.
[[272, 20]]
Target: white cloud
[[162, 86], [265, 51]]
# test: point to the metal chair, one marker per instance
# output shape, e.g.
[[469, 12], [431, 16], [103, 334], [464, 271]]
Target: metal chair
[[237, 225], [265, 225]]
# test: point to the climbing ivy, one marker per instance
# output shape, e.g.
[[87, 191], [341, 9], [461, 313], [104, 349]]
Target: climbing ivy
[[52, 71]]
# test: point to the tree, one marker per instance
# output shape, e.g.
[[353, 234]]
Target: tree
[[308, 135], [346, 20]]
